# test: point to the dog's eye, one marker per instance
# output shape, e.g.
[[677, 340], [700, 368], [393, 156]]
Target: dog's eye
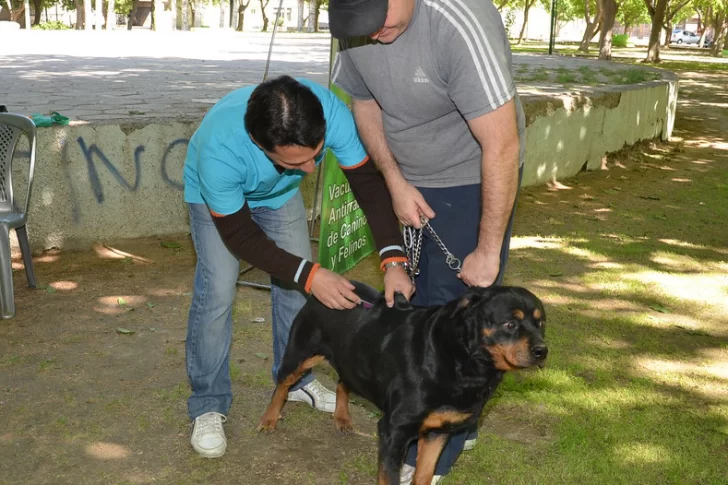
[[510, 325]]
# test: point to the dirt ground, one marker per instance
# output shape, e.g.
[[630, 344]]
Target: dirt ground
[[84, 400]]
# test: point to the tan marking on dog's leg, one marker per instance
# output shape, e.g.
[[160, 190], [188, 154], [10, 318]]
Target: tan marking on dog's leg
[[519, 314], [537, 314], [438, 419], [428, 451], [342, 418], [273, 413]]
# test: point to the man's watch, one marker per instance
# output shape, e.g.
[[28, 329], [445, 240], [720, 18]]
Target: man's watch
[[392, 264]]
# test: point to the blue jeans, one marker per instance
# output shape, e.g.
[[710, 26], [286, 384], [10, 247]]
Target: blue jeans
[[209, 327], [457, 223]]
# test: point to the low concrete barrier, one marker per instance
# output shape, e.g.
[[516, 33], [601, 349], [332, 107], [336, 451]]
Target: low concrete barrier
[[124, 179]]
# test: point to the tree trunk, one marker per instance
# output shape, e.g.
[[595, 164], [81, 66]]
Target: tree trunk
[[111, 16], [299, 20], [592, 27], [153, 14], [173, 8], [609, 13], [316, 13], [37, 9], [80, 11], [241, 15], [311, 8], [526, 8], [265, 16], [668, 36], [185, 15], [657, 12], [720, 39], [132, 14]]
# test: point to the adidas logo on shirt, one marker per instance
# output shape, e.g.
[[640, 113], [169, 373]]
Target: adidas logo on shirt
[[420, 76]]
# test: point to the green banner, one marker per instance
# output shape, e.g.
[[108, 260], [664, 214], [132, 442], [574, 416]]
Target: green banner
[[345, 237]]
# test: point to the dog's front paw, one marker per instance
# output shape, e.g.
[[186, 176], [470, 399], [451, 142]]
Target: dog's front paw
[[344, 424], [268, 423]]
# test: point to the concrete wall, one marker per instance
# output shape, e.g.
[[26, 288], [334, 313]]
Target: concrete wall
[[108, 181]]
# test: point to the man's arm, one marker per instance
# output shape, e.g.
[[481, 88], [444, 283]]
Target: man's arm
[[246, 240], [407, 201], [497, 133]]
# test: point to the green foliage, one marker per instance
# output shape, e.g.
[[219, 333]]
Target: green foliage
[[53, 25], [620, 40]]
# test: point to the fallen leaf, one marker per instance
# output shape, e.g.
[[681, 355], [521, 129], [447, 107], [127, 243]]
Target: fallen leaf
[[258, 320], [121, 301], [649, 197], [261, 355], [171, 245], [150, 305], [152, 329], [124, 331], [556, 273]]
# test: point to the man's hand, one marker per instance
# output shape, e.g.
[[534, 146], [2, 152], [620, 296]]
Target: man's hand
[[480, 269], [397, 279], [408, 204], [333, 290]]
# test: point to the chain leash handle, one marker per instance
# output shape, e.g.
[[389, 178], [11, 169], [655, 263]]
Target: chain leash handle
[[413, 247]]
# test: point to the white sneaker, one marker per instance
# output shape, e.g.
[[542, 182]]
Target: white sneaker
[[470, 444], [315, 395], [208, 437], [408, 473]]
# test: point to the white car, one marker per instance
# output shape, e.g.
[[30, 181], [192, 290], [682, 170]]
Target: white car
[[684, 37]]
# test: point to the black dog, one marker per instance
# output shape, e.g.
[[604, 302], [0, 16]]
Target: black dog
[[429, 370]]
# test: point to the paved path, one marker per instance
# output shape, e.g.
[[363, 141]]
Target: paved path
[[143, 75]]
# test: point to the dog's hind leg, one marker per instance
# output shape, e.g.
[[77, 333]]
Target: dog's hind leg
[[273, 413], [342, 418], [429, 448]]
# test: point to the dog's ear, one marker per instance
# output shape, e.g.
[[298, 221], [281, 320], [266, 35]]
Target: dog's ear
[[472, 296]]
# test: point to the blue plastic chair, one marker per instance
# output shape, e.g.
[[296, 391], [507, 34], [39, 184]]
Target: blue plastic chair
[[12, 215]]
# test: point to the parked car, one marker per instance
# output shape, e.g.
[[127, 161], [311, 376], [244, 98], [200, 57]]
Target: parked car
[[684, 37]]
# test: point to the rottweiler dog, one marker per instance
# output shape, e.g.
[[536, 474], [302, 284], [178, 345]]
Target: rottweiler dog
[[430, 370]]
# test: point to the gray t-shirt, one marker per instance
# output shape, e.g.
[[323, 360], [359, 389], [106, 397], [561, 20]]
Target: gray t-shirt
[[452, 64]]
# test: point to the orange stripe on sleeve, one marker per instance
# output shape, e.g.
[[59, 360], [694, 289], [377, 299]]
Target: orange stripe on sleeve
[[366, 159], [309, 280]]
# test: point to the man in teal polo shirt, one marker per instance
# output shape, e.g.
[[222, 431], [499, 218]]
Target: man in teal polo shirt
[[242, 173]]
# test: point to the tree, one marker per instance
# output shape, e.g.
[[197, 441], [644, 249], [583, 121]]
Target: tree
[[592, 25], [632, 12], [671, 10], [526, 5], [609, 14], [263, 4], [719, 22], [242, 6], [656, 9]]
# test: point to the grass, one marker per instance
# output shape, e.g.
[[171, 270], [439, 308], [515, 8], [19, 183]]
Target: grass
[[636, 384]]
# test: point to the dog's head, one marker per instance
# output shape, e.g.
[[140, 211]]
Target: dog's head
[[507, 323]]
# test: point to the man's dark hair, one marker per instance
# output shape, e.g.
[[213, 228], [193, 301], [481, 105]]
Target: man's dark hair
[[282, 111]]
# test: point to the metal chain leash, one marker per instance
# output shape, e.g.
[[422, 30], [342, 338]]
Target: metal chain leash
[[413, 247]]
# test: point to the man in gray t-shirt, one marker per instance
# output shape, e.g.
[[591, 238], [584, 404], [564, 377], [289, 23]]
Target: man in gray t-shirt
[[435, 103]]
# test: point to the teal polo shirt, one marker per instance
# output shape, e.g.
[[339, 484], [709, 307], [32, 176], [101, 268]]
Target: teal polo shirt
[[224, 168]]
